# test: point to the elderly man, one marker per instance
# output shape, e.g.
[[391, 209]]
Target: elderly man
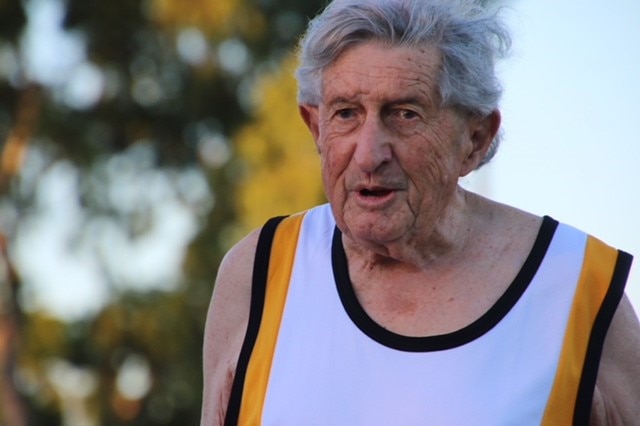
[[408, 300]]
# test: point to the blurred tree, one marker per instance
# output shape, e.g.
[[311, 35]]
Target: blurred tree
[[143, 123], [282, 168], [12, 408], [16, 107]]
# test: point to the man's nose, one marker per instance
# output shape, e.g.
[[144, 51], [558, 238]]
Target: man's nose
[[373, 147]]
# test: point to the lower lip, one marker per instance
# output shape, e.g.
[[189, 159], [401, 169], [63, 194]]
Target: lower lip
[[375, 202]]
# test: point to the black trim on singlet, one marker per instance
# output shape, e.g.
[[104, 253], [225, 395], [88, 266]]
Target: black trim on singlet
[[258, 291], [444, 341], [584, 398]]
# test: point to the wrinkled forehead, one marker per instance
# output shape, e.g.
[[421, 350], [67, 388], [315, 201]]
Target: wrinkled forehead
[[372, 66]]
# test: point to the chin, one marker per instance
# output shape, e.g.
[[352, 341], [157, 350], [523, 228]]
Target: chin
[[376, 232]]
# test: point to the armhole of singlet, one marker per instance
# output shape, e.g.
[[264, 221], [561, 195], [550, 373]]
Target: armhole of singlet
[[595, 346], [258, 290]]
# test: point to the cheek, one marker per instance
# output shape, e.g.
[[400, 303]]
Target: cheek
[[444, 150], [429, 162], [335, 155], [333, 163]]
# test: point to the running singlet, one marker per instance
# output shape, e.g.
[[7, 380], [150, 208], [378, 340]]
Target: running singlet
[[312, 356]]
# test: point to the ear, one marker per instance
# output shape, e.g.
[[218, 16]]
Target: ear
[[309, 114], [482, 131]]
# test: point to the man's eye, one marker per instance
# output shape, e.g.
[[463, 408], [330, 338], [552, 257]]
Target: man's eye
[[345, 113], [407, 114]]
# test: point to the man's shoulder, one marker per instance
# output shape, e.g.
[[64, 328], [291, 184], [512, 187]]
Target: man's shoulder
[[227, 319], [235, 259]]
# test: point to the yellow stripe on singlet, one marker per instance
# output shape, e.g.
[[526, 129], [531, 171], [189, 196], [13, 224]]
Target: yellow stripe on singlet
[[280, 265], [594, 282]]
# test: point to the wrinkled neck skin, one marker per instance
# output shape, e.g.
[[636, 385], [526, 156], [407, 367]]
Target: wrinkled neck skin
[[439, 243]]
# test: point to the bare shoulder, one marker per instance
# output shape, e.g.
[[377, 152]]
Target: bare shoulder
[[503, 220], [226, 324], [511, 233], [618, 386]]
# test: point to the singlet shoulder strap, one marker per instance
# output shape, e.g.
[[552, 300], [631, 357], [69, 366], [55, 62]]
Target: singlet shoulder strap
[[272, 268], [258, 286], [599, 291]]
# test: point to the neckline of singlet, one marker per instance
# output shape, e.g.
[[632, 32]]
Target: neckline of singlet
[[454, 339]]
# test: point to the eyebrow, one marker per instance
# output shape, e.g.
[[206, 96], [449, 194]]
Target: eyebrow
[[409, 100], [339, 100], [414, 101]]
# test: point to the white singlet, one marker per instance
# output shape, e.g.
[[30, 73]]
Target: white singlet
[[312, 356]]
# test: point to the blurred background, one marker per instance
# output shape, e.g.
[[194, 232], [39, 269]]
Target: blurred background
[[142, 138]]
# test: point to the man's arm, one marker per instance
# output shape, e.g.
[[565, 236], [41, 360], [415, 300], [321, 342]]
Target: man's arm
[[617, 395], [225, 328]]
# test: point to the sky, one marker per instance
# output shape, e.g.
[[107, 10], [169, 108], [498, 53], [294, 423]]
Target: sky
[[570, 147], [570, 115]]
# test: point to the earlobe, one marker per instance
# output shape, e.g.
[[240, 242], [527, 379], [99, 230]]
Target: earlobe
[[309, 114]]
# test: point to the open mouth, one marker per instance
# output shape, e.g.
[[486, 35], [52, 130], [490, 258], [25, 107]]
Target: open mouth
[[374, 192]]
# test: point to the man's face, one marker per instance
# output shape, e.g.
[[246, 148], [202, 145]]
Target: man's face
[[391, 156]]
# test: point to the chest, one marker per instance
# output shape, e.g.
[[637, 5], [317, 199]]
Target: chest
[[423, 304], [335, 364]]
